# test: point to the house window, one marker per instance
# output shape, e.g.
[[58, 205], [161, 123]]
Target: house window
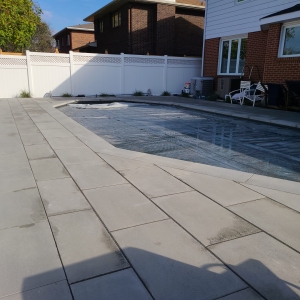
[[68, 40], [116, 19], [290, 41], [232, 56], [101, 26], [62, 41], [57, 44]]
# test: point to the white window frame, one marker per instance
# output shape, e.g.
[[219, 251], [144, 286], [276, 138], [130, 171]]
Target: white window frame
[[282, 38], [230, 39]]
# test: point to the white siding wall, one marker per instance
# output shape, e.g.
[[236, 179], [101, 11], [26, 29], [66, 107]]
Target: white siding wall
[[226, 17], [91, 74]]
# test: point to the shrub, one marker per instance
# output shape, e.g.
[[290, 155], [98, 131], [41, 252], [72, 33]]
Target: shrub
[[166, 93], [212, 97], [24, 94], [138, 93], [106, 95], [66, 95], [227, 99]]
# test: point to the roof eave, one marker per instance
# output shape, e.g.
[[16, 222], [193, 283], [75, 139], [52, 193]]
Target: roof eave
[[283, 18]]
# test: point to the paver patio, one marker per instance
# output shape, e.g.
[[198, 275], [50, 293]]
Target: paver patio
[[81, 219]]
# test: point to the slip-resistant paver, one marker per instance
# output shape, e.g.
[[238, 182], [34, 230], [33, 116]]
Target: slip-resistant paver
[[33, 139], [207, 221], [13, 161], [219, 172], [123, 206], [8, 128], [269, 266], [275, 183], [165, 161], [223, 191], [10, 143], [39, 152], [276, 219], [97, 144], [55, 291], [121, 163], [77, 156], [155, 182], [21, 208], [90, 176], [122, 153], [61, 196], [288, 199], [247, 294], [122, 285], [85, 247], [51, 133], [49, 125], [46, 169], [65, 142], [16, 180], [28, 259], [173, 264]]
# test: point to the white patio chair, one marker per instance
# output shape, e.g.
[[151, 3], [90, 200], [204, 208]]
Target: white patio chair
[[238, 95], [258, 94]]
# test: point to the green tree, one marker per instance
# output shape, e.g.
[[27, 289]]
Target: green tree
[[42, 40], [18, 22]]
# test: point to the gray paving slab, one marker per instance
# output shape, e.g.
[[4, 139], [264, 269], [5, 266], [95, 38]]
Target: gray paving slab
[[65, 142], [165, 161], [16, 180], [204, 219], [275, 184], [77, 156], [61, 196], [47, 169], [21, 208], [33, 139], [96, 144], [10, 144], [122, 153], [123, 206], [173, 264], [90, 176], [85, 247], [247, 294], [122, 285], [219, 172], [42, 118], [49, 125], [8, 128], [55, 291], [269, 266], [28, 128], [14, 161], [274, 218], [51, 133], [155, 182], [39, 152], [121, 163], [28, 259], [223, 191], [288, 199]]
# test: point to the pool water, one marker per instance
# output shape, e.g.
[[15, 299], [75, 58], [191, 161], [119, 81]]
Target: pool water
[[195, 136]]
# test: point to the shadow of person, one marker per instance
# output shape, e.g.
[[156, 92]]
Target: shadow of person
[[159, 277]]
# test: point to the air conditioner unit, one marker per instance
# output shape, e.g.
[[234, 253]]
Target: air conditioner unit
[[202, 85], [227, 85]]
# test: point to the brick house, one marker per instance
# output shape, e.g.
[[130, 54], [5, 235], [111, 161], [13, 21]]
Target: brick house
[[150, 26], [241, 34], [73, 37]]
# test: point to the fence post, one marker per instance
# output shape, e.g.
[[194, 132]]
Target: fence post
[[71, 71], [165, 72], [122, 74], [29, 73]]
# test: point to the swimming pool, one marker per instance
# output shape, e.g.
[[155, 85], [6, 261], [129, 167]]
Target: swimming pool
[[195, 136]]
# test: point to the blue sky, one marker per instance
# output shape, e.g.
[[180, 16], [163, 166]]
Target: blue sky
[[62, 13]]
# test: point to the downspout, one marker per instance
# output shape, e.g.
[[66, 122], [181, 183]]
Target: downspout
[[204, 36]]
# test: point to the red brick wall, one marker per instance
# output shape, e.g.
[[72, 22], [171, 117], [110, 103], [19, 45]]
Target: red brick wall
[[188, 32], [211, 55], [278, 70], [165, 29], [80, 38], [192, 2]]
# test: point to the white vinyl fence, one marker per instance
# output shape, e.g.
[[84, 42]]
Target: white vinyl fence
[[90, 74]]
